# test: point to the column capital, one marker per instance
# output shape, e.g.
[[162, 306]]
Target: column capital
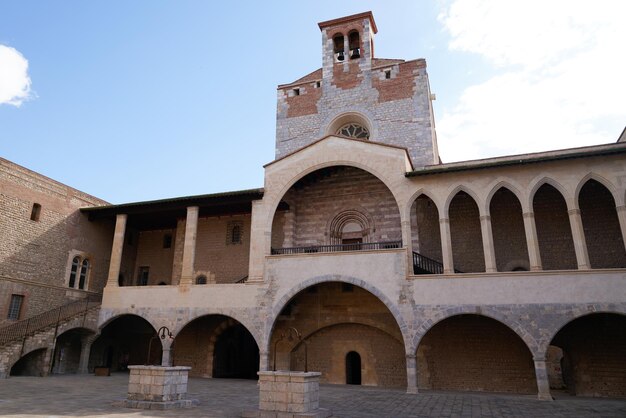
[[621, 208], [484, 218], [528, 215], [574, 211]]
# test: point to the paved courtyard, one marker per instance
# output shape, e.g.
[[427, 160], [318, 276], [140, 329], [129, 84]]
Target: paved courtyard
[[90, 396]]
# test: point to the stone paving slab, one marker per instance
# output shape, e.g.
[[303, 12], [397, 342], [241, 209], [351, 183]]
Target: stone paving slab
[[81, 396]]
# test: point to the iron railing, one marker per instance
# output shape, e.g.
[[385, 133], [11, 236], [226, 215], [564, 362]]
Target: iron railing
[[338, 247], [53, 317], [425, 265]]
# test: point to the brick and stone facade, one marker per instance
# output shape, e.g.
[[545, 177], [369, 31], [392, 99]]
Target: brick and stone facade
[[525, 254]]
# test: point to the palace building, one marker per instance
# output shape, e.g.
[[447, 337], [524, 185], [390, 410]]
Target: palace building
[[363, 257]]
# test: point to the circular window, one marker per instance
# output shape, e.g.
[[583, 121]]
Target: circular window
[[354, 130]]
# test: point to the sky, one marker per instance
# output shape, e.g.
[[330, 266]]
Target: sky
[[142, 100]]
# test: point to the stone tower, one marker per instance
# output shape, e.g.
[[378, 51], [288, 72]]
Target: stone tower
[[357, 95]]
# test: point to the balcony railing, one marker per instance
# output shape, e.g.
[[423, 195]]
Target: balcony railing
[[362, 246], [53, 317], [425, 265]]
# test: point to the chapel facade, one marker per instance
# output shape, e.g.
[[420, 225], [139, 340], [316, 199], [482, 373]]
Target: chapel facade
[[363, 256]]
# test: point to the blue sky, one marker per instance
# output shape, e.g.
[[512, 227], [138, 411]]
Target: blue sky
[[142, 100]]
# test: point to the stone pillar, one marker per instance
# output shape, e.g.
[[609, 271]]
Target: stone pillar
[[189, 248], [446, 246], [166, 356], [260, 242], [46, 368], [543, 384], [534, 256], [408, 244], [621, 215], [411, 373], [488, 248], [85, 350], [264, 361], [116, 251], [578, 234]]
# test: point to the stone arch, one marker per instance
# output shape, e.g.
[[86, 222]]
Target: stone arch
[[284, 300], [497, 185], [233, 314], [573, 315], [452, 194], [524, 334], [617, 197], [335, 120], [38, 355], [429, 194], [536, 184], [301, 174], [118, 315], [357, 215], [592, 347], [457, 353]]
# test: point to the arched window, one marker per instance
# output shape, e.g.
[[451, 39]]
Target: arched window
[[235, 234], [354, 130], [83, 274], [74, 271], [201, 279], [338, 47], [349, 227], [354, 43]]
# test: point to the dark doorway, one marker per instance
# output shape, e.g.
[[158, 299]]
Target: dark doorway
[[236, 354], [353, 368]]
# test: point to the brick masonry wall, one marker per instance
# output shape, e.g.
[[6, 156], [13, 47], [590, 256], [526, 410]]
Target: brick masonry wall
[[474, 353], [151, 253], [553, 230], [335, 322], [315, 204], [466, 236], [382, 356], [34, 255], [602, 231], [214, 256], [509, 236]]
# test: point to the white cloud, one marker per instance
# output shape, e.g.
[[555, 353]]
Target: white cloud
[[14, 80], [559, 79]]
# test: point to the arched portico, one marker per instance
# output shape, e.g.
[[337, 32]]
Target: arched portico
[[346, 307]]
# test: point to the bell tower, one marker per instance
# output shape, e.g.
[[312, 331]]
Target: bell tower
[[348, 42]]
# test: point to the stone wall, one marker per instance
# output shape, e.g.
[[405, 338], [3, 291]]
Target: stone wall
[[509, 237], [35, 254], [151, 252], [475, 353], [466, 236]]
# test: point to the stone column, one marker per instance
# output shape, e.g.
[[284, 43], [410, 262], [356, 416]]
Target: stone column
[[534, 256], [446, 246], [260, 242], [85, 350], [47, 365], [166, 356], [411, 373], [189, 248], [543, 384], [264, 361], [408, 244], [488, 248], [578, 234], [621, 215], [116, 251]]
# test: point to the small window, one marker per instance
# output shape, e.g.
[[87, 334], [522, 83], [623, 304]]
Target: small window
[[15, 307], [234, 231], [318, 84], [35, 212], [296, 92], [167, 241], [143, 276], [84, 269], [74, 271], [387, 74], [354, 130], [201, 279]]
